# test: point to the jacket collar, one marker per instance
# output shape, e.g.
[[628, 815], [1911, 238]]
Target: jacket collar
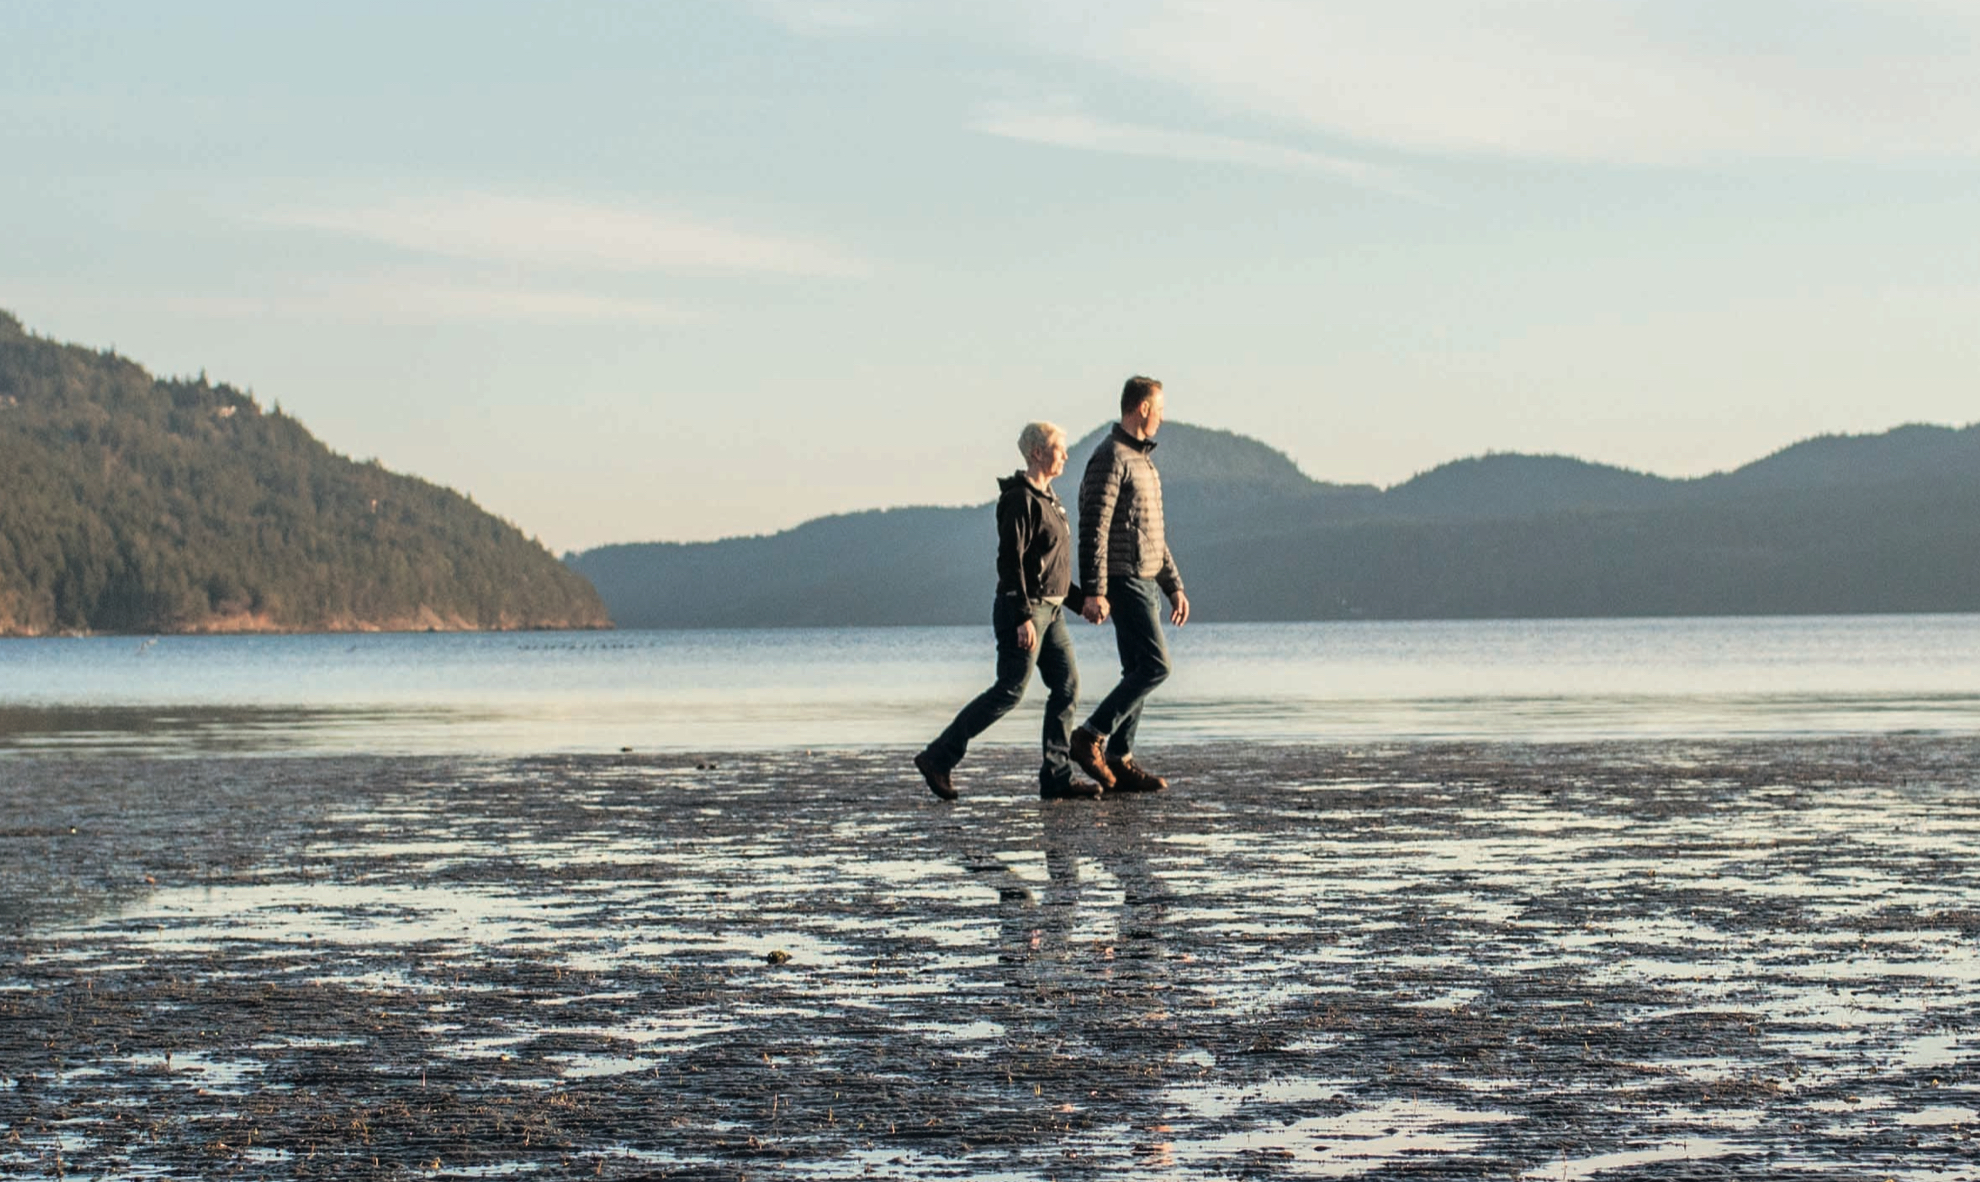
[[1144, 446], [1016, 482]]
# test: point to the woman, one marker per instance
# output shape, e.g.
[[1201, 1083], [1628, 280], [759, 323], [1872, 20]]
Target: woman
[[1034, 590]]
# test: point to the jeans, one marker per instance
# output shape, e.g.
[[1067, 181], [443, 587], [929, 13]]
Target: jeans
[[1052, 655], [1136, 605]]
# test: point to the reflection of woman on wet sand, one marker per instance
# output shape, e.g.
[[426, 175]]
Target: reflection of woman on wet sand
[[1034, 589]]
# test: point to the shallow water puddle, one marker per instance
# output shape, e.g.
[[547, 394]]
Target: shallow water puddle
[[1690, 1149], [1351, 1143]]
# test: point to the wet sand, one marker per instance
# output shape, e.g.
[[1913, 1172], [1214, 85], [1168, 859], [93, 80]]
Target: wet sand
[[1654, 960]]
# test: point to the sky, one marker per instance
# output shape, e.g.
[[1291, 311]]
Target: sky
[[693, 269]]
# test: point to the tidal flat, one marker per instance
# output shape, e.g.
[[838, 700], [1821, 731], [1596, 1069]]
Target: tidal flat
[[1659, 959]]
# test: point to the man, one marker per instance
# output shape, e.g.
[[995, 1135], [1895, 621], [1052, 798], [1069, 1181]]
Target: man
[[1125, 567]]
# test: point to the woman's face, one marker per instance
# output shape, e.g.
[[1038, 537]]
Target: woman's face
[[1052, 457]]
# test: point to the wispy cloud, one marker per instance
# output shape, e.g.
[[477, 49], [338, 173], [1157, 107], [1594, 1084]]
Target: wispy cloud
[[441, 301], [1071, 128], [501, 229], [1676, 81], [408, 298], [1647, 82], [419, 299]]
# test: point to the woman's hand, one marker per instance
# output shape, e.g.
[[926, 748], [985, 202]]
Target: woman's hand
[[1027, 635]]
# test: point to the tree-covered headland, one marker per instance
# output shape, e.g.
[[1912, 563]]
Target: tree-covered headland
[[130, 503]]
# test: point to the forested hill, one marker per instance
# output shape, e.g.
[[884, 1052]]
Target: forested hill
[[1875, 523], [130, 503]]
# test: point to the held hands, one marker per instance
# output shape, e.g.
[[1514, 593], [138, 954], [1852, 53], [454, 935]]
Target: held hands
[[1097, 609], [1027, 636]]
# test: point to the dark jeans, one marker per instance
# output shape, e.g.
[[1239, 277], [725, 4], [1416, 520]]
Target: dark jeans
[[1052, 654], [1137, 615]]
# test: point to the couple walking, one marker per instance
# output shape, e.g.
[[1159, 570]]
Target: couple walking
[[1124, 569]]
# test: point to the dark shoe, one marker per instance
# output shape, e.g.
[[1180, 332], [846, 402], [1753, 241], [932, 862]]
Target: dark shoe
[[1129, 776], [938, 778], [1071, 790], [1089, 752]]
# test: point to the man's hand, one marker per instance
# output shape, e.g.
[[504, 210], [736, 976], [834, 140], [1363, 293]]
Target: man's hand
[[1027, 635], [1180, 615], [1095, 609]]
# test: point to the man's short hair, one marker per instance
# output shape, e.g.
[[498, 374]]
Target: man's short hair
[[1138, 390], [1037, 437]]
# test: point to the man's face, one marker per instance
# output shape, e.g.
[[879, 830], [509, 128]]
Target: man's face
[[1152, 415]]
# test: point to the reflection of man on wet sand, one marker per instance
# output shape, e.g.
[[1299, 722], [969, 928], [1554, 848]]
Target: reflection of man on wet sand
[[1134, 953], [1125, 567]]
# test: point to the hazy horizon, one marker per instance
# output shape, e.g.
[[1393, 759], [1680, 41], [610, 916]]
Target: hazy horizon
[[691, 272]]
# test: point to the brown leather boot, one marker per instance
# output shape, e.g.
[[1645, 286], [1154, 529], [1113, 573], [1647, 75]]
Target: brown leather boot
[[1089, 751], [938, 779], [1129, 776], [1070, 790]]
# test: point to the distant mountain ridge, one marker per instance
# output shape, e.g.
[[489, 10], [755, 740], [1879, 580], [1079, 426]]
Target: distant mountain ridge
[[1872, 523], [1903, 453], [130, 503], [1510, 484]]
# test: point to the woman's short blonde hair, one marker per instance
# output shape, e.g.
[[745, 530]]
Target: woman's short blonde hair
[[1037, 437]]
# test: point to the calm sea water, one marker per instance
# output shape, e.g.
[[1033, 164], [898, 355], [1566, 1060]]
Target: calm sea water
[[729, 690]]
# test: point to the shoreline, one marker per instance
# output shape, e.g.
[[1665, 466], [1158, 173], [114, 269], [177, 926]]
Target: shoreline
[[253, 626], [257, 627]]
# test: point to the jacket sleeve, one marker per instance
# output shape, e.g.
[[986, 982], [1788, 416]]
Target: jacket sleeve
[[1169, 579], [1099, 492], [1013, 537]]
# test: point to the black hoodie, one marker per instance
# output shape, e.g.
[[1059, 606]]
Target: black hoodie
[[1034, 544]]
